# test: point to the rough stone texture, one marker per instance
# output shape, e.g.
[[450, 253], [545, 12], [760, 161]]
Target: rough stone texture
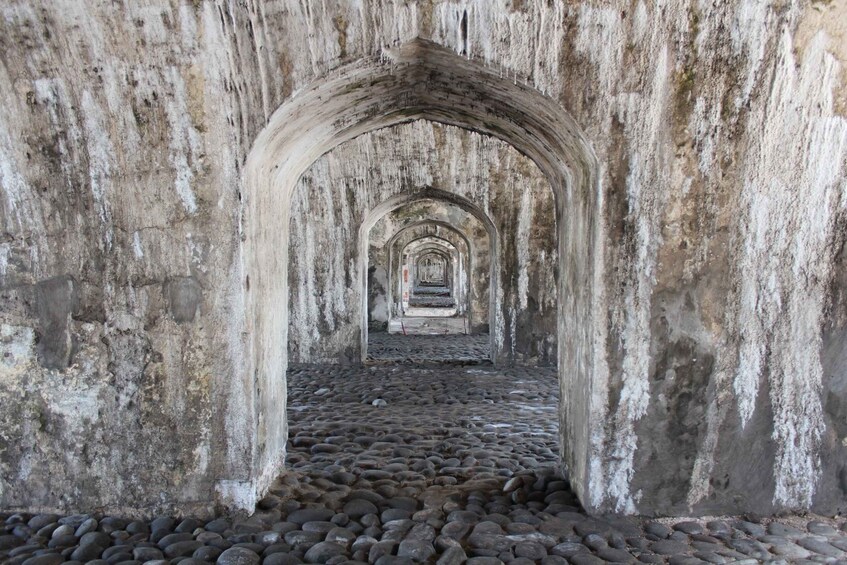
[[696, 151], [455, 349], [458, 463]]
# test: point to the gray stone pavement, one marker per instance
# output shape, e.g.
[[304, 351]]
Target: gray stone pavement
[[461, 462], [406, 463], [399, 348]]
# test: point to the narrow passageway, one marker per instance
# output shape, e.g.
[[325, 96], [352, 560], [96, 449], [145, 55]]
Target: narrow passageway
[[392, 282], [409, 459]]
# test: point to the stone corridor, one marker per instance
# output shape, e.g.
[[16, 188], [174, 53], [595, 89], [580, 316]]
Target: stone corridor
[[423, 281], [455, 348]]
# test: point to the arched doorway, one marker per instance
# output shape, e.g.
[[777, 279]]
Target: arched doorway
[[428, 287], [476, 266], [478, 238], [418, 81]]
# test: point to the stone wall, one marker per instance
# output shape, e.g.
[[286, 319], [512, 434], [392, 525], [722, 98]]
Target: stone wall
[[702, 355]]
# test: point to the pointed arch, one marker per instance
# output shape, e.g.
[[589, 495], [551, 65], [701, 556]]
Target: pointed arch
[[417, 80], [438, 195]]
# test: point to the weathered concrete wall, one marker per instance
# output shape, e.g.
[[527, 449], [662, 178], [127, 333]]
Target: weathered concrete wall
[[724, 151], [120, 156], [712, 334]]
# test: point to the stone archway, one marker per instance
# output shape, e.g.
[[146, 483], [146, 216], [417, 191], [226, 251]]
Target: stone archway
[[433, 265], [419, 80], [447, 233], [459, 201], [429, 251]]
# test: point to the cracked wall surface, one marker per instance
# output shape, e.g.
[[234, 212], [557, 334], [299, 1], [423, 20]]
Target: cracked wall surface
[[717, 371]]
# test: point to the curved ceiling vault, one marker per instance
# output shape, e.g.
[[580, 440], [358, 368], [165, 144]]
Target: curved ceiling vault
[[436, 223], [431, 239], [422, 194]]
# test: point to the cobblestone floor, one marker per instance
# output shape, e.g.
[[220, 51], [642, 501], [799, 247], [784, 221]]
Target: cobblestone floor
[[426, 301], [402, 463], [454, 348]]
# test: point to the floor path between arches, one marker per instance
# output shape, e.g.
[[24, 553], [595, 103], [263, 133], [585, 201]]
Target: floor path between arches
[[455, 348], [404, 463]]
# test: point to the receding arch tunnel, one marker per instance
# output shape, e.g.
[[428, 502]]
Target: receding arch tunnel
[[477, 262], [180, 235], [418, 80], [489, 240]]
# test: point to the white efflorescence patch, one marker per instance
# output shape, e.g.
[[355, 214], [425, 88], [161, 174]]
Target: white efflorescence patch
[[598, 397], [202, 456], [760, 296], [516, 43], [522, 236], [53, 94], [5, 251], [700, 485], [237, 494], [797, 374], [334, 302], [101, 160], [15, 188], [790, 199], [184, 140], [750, 29], [137, 250], [646, 205], [77, 402], [602, 34], [705, 126], [308, 299], [18, 345]]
